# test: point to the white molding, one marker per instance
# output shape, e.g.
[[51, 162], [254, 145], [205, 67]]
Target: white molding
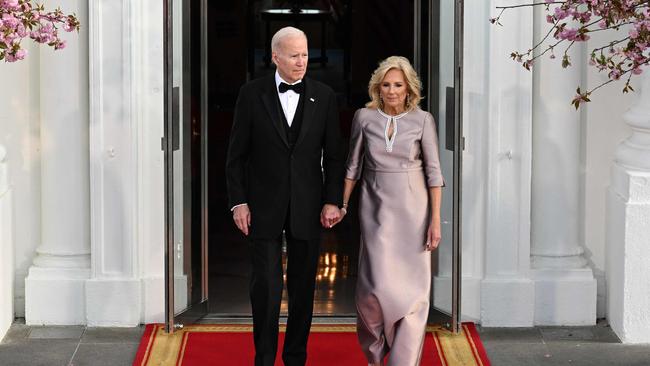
[[56, 296], [113, 137], [509, 151], [113, 302], [564, 296], [497, 163], [507, 302], [148, 116]]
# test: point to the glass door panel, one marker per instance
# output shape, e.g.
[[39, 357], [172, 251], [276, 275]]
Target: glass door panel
[[185, 268], [444, 104]]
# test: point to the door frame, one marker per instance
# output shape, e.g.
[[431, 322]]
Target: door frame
[[458, 140], [459, 147], [195, 311], [175, 320]]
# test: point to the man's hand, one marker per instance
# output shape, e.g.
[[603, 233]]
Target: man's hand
[[242, 217], [330, 215]]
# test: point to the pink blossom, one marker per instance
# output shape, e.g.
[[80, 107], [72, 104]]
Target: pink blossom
[[20, 54], [9, 21], [10, 4], [20, 19], [560, 13], [569, 34], [21, 31]]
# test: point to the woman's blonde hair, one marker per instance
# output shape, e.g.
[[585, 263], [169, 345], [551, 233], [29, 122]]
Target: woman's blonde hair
[[413, 83]]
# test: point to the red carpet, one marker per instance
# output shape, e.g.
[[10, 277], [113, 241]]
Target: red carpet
[[328, 345]]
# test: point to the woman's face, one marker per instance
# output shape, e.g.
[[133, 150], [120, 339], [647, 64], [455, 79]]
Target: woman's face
[[393, 89]]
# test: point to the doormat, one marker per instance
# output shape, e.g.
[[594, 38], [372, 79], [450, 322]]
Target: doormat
[[329, 344]]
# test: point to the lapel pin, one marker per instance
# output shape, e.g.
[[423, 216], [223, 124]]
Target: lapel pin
[[312, 99]]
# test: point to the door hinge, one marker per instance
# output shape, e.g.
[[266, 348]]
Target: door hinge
[[162, 143]]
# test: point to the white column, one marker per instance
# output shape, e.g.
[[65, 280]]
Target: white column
[[6, 248], [55, 291], [628, 227], [564, 285]]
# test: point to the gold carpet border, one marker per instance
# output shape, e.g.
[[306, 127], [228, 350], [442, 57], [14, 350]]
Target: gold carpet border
[[455, 349], [166, 349], [323, 328]]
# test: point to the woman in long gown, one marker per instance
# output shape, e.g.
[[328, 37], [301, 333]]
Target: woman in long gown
[[396, 143]]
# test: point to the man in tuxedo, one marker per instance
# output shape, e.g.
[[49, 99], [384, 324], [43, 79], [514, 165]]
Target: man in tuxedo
[[284, 172]]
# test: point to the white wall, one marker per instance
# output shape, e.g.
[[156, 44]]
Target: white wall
[[603, 129], [19, 133]]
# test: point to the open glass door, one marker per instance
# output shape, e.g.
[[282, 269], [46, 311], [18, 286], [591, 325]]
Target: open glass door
[[445, 103], [184, 146]]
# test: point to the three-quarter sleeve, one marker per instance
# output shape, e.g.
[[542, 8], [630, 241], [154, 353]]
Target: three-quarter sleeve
[[430, 156], [355, 155]]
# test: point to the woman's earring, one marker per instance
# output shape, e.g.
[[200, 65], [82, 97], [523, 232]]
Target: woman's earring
[[408, 99]]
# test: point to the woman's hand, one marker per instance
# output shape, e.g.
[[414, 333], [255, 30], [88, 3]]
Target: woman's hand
[[433, 235]]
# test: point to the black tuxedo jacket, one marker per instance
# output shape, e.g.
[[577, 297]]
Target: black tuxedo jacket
[[264, 172]]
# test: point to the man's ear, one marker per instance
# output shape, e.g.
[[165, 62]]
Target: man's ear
[[274, 58]]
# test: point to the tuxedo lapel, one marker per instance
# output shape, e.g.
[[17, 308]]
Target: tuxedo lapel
[[309, 108], [270, 100]]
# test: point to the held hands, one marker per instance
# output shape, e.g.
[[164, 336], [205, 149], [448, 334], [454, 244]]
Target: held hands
[[242, 217], [433, 235], [330, 215]]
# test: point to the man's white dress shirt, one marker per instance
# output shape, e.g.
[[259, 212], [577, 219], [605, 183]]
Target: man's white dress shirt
[[289, 99]]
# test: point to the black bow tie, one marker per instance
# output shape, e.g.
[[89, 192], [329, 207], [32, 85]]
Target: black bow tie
[[298, 88]]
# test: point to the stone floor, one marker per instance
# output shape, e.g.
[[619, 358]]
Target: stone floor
[[588, 346]]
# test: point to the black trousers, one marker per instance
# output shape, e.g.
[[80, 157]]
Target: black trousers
[[266, 296]]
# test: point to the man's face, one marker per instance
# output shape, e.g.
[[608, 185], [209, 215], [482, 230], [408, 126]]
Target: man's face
[[291, 58]]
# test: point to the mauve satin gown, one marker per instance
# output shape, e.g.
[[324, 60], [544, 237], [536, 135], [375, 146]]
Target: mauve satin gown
[[392, 294]]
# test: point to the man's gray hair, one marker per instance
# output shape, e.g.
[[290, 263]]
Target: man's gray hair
[[283, 33]]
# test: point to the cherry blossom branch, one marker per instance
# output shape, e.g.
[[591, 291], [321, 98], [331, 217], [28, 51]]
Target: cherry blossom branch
[[20, 19], [573, 21]]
